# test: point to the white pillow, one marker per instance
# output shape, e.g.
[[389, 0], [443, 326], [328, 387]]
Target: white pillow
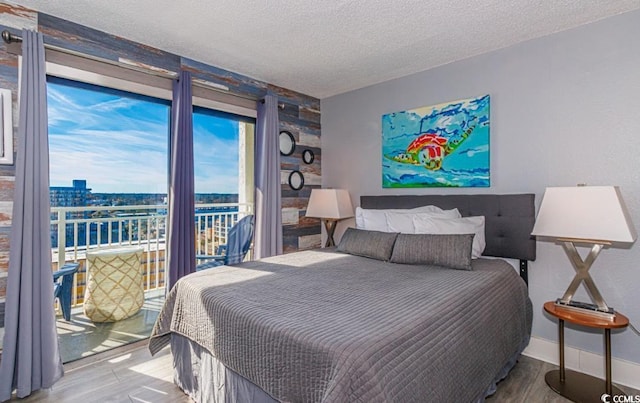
[[433, 210], [400, 222], [371, 220], [466, 225], [376, 220]]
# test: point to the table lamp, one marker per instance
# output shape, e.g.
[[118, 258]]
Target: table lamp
[[330, 205], [591, 215]]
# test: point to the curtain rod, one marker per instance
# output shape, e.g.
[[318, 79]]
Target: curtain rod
[[9, 38], [281, 105]]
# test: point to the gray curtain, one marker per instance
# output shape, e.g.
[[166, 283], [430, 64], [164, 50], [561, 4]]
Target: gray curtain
[[181, 259], [268, 230], [30, 356]]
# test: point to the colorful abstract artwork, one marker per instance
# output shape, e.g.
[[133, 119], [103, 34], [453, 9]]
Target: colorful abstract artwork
[[445, 145]]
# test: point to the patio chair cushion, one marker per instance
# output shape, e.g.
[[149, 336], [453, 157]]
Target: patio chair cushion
[[114, 286]]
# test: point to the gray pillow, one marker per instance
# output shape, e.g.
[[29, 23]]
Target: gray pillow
[[453, 251], [373, 244]]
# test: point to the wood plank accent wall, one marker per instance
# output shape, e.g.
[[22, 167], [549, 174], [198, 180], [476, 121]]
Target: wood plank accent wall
[[301, 115]]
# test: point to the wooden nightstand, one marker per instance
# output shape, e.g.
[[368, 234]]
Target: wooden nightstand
[[574, 385]]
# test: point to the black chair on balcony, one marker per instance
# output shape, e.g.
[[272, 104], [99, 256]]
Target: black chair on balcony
[[62, 285], [238, 244]]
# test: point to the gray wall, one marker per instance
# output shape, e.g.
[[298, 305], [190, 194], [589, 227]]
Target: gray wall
[[565, 109]]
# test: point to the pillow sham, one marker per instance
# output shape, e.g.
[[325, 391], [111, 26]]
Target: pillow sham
[[372, 220], [372, 244], [452, 251], [376, 220], [403, 222], [464, 225], [400, 222]]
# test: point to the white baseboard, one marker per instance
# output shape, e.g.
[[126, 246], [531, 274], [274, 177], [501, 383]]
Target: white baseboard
[[623, 372]]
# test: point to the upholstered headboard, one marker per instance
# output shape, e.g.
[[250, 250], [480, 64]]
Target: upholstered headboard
[[509, 218]]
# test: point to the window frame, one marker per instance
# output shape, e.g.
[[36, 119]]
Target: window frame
[[142, 81]]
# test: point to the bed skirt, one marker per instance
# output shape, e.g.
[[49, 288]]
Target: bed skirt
[[205, 379]]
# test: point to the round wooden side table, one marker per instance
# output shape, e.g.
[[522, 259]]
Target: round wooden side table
[[575, 385]]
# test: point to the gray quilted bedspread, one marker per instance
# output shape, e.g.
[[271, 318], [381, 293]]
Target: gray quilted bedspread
[[321, 326]]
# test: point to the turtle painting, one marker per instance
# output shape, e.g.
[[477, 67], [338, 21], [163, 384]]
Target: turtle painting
[[445, 145], [429, 149]]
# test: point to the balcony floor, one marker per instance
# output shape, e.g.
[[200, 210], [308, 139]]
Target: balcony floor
[[81, 338]]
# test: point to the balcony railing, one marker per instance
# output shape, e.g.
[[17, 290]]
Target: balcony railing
[[76, 229]]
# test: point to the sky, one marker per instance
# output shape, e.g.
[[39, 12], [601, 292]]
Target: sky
[[118, 142]]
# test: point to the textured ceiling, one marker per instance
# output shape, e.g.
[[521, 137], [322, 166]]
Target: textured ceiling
[[326, 47]]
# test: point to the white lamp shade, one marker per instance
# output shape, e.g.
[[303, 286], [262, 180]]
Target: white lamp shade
[[590, 213], [330, 203]]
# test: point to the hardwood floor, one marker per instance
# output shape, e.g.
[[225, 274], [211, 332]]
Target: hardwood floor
[[130, 374], [525, 383], [127, 374]]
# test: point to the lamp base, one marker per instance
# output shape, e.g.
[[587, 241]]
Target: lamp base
[[582, 266], [586, 309], [330, 226]]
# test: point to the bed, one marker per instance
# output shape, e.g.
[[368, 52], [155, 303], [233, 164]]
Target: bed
[[329, 326]]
